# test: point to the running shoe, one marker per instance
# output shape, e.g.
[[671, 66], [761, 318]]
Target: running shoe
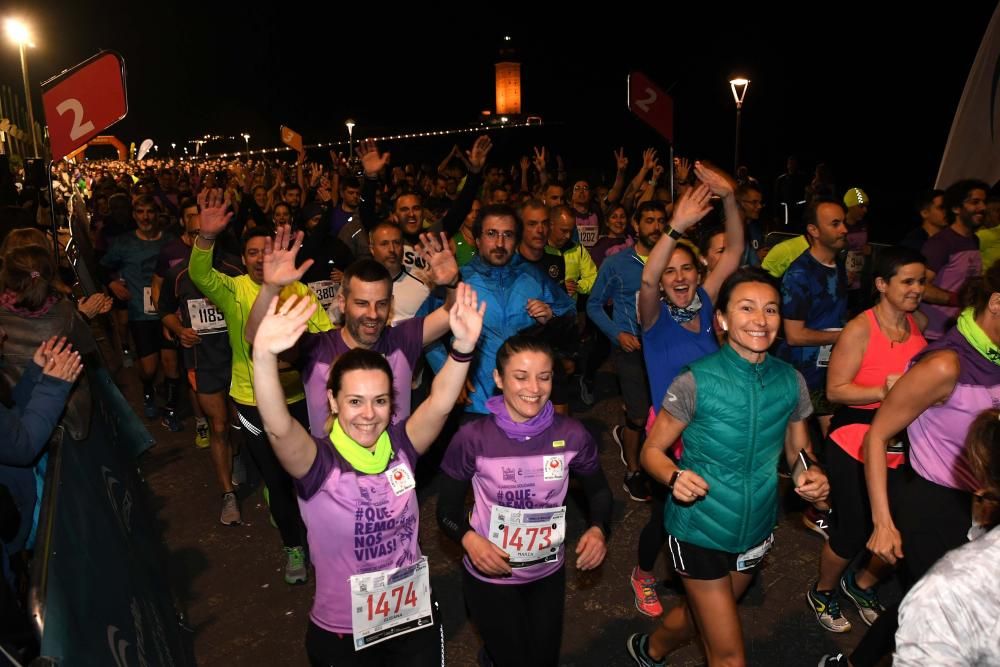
[[636, 646], [827, 610], [586, 392], [831, 660], [617, 433], [230, 510], [817, 521], [149, 406], [646, 599], [865, 599], [201, 439], [295, 565], [171, 422], [636, 487]]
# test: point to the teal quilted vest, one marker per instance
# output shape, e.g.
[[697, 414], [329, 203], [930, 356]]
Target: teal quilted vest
[[733, 442]]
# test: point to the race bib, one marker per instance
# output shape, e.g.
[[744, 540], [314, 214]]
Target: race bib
[[205, 317], [400, 479], [529, 536], [147, 301], [823, 358], [326, 291], [389, 603], [588, 234], [855, 262], [749, 559]]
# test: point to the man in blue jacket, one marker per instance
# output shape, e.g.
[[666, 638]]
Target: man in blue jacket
[[617, 284], [518, 295]]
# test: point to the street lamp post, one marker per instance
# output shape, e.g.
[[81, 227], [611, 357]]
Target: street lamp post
[[19, 34], [246, 138], [739, 86]]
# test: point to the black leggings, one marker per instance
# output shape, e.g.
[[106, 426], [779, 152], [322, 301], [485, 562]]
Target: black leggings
[[420, 648], [521, 624], [653, 535], [284, 506], [932, 520]]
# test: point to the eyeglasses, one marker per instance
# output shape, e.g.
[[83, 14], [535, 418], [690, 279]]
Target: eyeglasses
[[493, 234]]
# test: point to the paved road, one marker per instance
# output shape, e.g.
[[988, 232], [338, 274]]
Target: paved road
[[242, 613]]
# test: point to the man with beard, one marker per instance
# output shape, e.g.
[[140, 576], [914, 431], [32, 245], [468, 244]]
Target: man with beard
[[408, 210], [517, 294], [408, 291], [619, 281], [365, 299], [953, 254]]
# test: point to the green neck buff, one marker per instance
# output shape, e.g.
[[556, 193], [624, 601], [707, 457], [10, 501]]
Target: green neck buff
[[977, 338], [363, 460]]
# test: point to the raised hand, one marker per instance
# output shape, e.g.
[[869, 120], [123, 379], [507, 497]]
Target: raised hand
[[719, 183], [476, 157], [466, 319], [371, 160], [440, 258], [281, 327], [215, 214], [279, 258], [621, 162], [525, 163], [539, 159], [691, 207], [648, 159], [682, 168]]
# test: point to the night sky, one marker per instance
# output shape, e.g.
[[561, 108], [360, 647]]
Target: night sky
[[871, 95]]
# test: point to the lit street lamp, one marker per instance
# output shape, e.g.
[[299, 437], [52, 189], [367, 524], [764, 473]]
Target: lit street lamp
[[20, 35], [246, 138], [739, 86], [173, 148]]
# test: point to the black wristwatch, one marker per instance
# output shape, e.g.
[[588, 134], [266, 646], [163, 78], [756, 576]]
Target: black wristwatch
[[673, 479], [674, 234]]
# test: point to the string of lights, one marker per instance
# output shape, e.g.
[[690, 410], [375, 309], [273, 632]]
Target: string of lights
[[531, 122]]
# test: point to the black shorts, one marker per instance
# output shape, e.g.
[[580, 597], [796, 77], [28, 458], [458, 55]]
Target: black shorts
[[631, 370], [851, 522], [696, 562], [209, 380], [147, 336]]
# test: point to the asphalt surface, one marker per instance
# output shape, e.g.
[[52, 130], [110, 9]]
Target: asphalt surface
[[228, 580]]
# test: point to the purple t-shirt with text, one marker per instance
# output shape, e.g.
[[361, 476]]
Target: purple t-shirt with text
[[510, 473], [357, 524], [401, 345], [954, 259]]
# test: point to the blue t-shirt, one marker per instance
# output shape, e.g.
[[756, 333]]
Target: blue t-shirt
[[135, 259], [816, 295], [667, 347]]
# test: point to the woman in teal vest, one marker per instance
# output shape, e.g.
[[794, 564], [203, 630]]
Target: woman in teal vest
[[738, 409]]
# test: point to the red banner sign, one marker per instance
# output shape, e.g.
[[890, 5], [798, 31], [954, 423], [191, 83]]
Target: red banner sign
[[84, 101], [653, 106]]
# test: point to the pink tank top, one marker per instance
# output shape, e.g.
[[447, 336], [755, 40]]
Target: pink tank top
[[884, 357]]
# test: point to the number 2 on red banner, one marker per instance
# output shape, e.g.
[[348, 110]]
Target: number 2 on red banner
[[384, 604]]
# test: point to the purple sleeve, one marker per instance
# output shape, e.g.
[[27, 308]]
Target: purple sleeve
[[410, 338], [401, 441], [460, 460], [586, 461], [309, 484], [936, 251]]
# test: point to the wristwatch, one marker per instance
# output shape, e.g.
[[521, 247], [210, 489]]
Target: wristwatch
[[674, 478], [674, 234]]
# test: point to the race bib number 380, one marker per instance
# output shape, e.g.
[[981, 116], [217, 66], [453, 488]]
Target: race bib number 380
[[529, 536], [326, 291], [389, 603]]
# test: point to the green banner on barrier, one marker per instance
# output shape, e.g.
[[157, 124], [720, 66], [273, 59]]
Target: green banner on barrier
[[101, 595]]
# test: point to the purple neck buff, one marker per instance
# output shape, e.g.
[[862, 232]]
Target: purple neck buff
[[519, 430]]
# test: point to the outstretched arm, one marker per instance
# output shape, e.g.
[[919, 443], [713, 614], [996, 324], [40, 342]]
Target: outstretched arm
[[279, 271], [278, 331], [722, 186], [466, 319]]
